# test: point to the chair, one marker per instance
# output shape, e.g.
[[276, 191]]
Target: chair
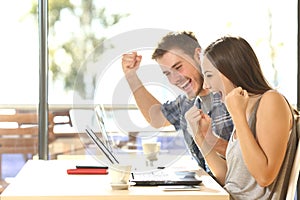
[[19, 134], [294, 176]]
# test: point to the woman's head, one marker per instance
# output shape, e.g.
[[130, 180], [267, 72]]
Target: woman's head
[[233, 61]]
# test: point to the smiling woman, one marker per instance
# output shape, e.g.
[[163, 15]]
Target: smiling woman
[[252, 104]]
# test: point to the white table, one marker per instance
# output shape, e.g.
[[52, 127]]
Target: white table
[[42, 180]]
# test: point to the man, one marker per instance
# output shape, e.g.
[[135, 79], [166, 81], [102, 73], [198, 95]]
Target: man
[[178, 55]]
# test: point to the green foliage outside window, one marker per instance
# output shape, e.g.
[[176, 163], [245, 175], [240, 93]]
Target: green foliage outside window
[[66, 56]]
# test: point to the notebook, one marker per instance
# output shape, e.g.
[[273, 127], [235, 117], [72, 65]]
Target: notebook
[[155, 178]]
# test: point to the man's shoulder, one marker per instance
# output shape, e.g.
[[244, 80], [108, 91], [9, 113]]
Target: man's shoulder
[[182, 103]]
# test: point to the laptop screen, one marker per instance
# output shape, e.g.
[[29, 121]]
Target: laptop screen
[[141, 176], [101, 118]]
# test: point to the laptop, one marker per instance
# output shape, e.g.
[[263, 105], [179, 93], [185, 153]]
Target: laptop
[[165, 178], [162, 177]]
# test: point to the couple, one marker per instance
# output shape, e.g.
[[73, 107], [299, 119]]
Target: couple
[[247, 159]]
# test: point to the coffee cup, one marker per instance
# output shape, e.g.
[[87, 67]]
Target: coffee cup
[[151, 149], [120, 175]]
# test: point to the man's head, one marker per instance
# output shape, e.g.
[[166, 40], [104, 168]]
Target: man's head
[[178, 56]]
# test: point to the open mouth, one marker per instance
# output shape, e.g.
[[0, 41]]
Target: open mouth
[[186, 84]]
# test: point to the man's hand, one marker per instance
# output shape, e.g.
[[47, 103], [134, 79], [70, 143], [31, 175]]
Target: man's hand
[[131, 62]]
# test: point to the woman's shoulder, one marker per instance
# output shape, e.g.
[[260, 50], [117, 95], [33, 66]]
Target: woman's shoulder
[[275, 103], [273, 96]]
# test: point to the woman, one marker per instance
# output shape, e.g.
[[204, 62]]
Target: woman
[[262, 117]]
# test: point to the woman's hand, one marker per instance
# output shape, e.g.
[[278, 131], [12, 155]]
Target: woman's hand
[[236, 102], [199, 124]]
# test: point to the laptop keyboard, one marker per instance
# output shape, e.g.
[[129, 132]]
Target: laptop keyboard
[[164, 175], [155, 176]]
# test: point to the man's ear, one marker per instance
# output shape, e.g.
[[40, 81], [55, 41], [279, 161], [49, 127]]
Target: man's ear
[[197, 54]]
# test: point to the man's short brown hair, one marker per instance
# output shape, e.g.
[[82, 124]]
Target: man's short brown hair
[[185, 41]]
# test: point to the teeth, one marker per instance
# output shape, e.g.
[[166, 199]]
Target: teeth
[[185, 84]]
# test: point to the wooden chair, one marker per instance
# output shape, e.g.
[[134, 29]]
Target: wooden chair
[[294, 176], [21, 137]]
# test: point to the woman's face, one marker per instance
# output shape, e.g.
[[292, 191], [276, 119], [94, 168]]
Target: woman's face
[[214, 80]]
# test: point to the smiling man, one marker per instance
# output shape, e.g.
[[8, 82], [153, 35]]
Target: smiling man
[[178, 54]]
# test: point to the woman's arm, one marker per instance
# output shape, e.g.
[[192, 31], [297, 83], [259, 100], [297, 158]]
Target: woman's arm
[[200, 124], [274, 122]]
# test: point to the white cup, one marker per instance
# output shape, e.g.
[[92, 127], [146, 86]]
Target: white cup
[[120, 175], [151, 149]]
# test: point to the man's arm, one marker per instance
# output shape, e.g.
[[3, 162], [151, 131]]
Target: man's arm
[[146, 102]]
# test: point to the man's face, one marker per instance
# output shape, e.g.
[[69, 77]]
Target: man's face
[[182, 71]]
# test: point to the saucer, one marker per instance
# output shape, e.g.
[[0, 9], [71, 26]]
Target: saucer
[[120, 186]]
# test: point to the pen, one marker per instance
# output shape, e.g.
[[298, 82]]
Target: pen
[[210, 112], [91, 167], [87, 171], [197, 100]]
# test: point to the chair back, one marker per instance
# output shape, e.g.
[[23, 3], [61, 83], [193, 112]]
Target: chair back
[[294, 175], [19, 132]]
